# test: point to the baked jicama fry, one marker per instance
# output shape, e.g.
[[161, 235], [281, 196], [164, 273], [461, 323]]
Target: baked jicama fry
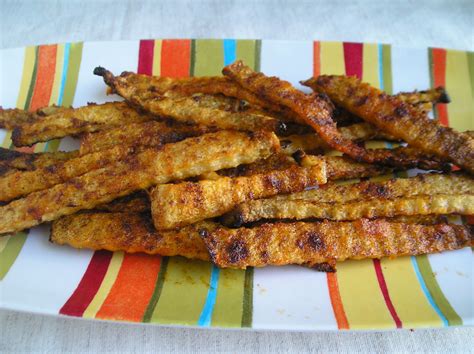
[[128, 232], [153, 86], [394, 116], [328, 241], [138, 134], [187, 110], [14, 117], [256, 210], [31, 161], [434, 95], [175, 205], [76, 121], [427, 184], [190, 157], [21, 183], [309, 142]]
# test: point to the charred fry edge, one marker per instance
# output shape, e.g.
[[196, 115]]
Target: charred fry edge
[[175, 205], [319, 242], [373, 208], [184, 159]]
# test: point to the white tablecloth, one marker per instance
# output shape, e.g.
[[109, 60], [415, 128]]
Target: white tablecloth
[[412, 23]]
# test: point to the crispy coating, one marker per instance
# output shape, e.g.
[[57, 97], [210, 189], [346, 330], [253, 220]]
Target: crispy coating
[[428, 184], [462, 204], [128, 232], [175, 205], [76, 121], [421, 219], [328, 241], [12, 118], [315, 110], [434, 95], [138, 202], [310, 142], [210, 85], [342, 167], [190, 157], [398, 118], [277, 161], [22, 183], [188, 110], [138, 134], [31, 161]]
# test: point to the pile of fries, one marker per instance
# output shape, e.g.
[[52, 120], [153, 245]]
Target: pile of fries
[[243, 170]]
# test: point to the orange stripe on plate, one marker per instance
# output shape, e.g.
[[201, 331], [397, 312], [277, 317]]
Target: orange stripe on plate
[[133, 288], [175, 57], [439, 79], [316, 59], [336, 302], [44, 77]]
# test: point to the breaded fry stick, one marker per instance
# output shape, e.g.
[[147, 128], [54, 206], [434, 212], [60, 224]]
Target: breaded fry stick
[[31, 161], [153, 86], [128, 232], [138, 134], [190, 157], [12, 118], [327, 241], [398, 118], [22, 183], [76, 121], [308, 142], [428, 184], [314, 110], [187, 110], [434, 95], [277, 161], [175, 205], [462, 204], [137, 202]]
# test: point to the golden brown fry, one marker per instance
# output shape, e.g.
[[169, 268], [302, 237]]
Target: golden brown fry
[[398, 118], [277, 161], [341, 167], [190, 157], [139, 134], [31, 161], [434, 95], [427, 184], [12, 118], [309, 142], [187, 110], [175, 205], [462, 204], [138, 202], [128, 232], [421, 219], [22, 183], [153, 86], [402, 157], [314, 110], [327, 241], [76, 121]]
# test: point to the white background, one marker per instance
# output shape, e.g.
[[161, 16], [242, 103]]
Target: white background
[[447, 24]]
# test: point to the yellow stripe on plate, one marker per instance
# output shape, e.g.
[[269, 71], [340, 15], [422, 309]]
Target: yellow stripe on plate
[[228, 308], [156, 70], [370, 64], [58, 73], [332, 58], [361, 296], [184, 292], [458, 85], [3, 242], [406, 294], [28, 67], [105, 286]]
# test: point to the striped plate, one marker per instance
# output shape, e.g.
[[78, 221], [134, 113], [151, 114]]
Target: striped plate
[[409, 292]]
